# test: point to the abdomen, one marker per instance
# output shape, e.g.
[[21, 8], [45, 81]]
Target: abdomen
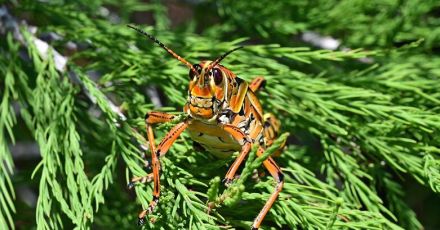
[[212, 138]]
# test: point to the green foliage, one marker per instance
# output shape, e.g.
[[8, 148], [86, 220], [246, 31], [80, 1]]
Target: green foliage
[[7, 120], [360, 23], [360, 120]]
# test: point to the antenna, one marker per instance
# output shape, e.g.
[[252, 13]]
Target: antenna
[[164, 47], [218, 60]]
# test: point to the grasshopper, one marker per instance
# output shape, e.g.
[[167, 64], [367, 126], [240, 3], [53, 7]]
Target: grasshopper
[[223, 115]]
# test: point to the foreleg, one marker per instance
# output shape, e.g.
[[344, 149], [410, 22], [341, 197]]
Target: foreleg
[[162, 148]]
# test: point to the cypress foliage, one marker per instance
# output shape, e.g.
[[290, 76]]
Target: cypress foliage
[[363, 118]]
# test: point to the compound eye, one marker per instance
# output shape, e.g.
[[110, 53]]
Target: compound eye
[[217, 75], [192, 74]]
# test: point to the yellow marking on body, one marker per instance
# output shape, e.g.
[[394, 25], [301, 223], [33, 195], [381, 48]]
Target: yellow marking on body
[[213, 138], [255, 104], [238, 96]]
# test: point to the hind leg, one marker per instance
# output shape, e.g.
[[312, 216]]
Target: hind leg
[[276, 173], [271, 130], [257, 83]]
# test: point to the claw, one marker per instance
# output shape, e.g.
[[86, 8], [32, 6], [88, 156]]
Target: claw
[[211, 206], [130, 185], [141, 221], [147, 166], [227, 182]]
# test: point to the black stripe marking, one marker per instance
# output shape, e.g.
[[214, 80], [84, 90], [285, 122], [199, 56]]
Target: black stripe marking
[[156, 185], [280, 176], [238, 80], [263, 83], [241, 112], [266, 124]]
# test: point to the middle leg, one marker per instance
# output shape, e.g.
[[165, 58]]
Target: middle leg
[[246, 144]]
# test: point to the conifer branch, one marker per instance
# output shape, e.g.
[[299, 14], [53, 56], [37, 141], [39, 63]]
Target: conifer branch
[[78, 85]]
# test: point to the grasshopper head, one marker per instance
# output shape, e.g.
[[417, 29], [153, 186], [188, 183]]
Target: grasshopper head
[[208, 82], [206, 89]]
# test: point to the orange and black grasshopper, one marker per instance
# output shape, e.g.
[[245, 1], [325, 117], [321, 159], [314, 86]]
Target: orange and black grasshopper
[[223, 115]]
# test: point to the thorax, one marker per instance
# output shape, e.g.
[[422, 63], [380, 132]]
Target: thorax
[[211, 136]]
